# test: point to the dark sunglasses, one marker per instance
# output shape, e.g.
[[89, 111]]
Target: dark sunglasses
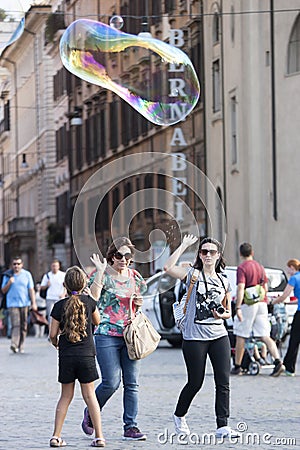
[[119, 255], [205, 251]]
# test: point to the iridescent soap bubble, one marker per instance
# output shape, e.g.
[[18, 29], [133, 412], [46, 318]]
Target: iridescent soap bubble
[[165, 87], [12, 22], [116, 22]]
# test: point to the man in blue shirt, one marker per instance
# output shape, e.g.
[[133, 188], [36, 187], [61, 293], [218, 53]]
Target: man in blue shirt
[[20, 295]]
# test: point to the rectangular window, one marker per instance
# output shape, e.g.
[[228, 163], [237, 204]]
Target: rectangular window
[[78, 146], [87, 140], [103, 131], [233, 131], [62, 210], [216, 86], [125, 125], [169, 6], [113, 107]]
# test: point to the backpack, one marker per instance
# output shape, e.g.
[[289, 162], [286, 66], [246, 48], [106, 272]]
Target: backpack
[[43, 292], [8, 273]]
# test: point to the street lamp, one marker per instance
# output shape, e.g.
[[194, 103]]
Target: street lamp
[[75, 116]]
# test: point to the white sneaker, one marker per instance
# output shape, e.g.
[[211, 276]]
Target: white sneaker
[[224, 432], [181, 427]]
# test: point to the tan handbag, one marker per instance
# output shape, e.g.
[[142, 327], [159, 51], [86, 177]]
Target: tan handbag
[[140, 336]]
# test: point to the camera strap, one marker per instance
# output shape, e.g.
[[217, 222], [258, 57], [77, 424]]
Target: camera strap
[[206, 288]]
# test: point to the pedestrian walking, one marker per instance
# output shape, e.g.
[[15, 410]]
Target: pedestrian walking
[[20, 295], [71, 332], [119, 282], [39, 329], [204, 332], [53, 285], [252, 313], [290, 358]]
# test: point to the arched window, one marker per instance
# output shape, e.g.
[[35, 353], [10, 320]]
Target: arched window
[[216, 27], [293, 63]]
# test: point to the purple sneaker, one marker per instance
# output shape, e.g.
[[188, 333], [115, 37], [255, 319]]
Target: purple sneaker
[[134, 434], [87, 424]]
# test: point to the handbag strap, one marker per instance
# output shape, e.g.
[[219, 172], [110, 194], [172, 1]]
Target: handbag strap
[[130, 306], [193, 280]]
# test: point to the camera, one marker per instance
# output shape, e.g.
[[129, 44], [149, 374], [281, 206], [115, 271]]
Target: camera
[[217, 306]]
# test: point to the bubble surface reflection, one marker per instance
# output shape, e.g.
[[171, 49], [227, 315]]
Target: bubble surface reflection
[[12, 22], [160, 82]]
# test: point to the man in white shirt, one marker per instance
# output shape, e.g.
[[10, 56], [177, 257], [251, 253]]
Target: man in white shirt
[[53, 282]]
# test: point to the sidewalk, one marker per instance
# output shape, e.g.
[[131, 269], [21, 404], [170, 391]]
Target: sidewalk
[[260, 405]]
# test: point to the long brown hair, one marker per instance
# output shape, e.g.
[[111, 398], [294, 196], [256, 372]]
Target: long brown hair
[[74, 311]]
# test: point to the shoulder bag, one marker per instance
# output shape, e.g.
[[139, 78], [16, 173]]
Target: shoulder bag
[[140, 336], [179, 308], [37, 318], [255, 294], [43, 292]]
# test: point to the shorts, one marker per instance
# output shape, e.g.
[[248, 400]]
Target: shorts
[[255, 321], [81, 368]]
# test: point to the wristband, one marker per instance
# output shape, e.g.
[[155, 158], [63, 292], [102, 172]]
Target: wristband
[[238, 307]]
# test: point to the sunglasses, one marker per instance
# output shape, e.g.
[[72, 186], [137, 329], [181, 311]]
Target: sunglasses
[[205, 251], [119, 256], [17, 264]]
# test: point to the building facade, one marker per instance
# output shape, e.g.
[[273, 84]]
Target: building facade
[[252, 78], [99, 169]]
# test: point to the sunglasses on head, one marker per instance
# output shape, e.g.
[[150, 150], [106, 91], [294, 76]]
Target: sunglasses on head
[[119, 255], [205, 251]]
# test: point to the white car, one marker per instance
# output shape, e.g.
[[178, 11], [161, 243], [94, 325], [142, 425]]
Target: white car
[[277, 281], [163, 290]]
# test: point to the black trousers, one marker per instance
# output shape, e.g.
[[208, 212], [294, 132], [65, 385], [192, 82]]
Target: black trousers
[[292, 351], [195, 355]]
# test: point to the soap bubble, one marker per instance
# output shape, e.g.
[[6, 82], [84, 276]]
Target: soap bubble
[[165, 90], [116, 22], [12, 22]]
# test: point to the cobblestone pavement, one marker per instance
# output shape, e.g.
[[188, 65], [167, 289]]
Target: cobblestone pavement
[[266, 410]]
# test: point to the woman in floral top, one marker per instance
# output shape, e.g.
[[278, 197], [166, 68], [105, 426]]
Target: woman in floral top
[[119, 283]]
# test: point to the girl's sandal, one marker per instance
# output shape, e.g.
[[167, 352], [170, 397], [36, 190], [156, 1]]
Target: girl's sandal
[[56, 441], [98, 442]]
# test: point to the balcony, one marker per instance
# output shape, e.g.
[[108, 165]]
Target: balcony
[[21, 225]]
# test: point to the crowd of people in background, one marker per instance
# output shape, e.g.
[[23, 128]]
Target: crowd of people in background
[[90, 313]]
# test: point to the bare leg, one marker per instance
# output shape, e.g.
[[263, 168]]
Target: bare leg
[[263, 351], [271, 346], [239, 350], [67, 393], [89, 396]]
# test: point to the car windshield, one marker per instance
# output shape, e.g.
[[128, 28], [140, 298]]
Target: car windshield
[[276, 280], [161, 283]]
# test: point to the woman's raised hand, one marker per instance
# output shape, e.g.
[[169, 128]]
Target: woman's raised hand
[[100, 265], [188, 240]]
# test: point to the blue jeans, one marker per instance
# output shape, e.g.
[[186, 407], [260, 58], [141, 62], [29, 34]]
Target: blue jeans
[[113, 361]]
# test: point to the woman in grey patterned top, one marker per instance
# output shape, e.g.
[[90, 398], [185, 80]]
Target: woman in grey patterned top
[[204, 332]]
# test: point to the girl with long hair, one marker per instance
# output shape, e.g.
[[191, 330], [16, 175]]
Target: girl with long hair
[[71, 332], [204, 332], [119, 283]]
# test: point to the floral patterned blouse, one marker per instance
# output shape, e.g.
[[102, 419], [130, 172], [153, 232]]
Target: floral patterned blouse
[[113, 303]]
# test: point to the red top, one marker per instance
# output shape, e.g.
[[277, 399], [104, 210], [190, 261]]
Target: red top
[[251, 273]]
